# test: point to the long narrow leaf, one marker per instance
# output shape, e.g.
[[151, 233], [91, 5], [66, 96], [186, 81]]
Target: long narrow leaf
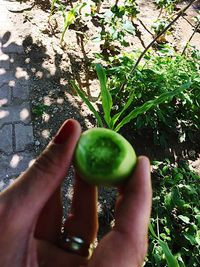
[[87, 102], [116, 117], [151, 103], [152, 231], [105, 94], [171, 260]]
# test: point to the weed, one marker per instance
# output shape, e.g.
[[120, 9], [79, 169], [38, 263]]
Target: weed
[[39, 109], [175, 215], [163, 93]]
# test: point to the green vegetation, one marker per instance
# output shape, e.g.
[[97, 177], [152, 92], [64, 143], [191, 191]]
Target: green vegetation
[[165, 73], [39, 109], [175, 216], [154, 91], [162, 93], [69, 17]]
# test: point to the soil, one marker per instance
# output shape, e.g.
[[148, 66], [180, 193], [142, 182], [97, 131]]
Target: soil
[[51, 66]]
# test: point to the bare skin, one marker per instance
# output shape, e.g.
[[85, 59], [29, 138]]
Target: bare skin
[[31, 212]]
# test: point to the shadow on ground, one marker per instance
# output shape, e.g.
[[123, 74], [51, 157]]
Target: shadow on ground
[[52, 102]]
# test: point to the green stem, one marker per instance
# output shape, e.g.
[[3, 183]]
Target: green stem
[[160, 34], [195, 30], [181, 12]]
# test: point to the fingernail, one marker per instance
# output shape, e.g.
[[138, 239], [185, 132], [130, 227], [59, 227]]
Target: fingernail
[[64, 132]]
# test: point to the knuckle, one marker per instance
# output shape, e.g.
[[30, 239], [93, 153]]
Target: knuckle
[[46, 163]]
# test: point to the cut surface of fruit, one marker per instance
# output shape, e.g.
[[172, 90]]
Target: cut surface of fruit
[[104, 157]]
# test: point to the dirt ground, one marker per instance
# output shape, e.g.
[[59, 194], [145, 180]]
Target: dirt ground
[[50, 67]]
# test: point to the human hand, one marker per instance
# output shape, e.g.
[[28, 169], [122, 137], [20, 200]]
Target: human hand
[[31, 213]]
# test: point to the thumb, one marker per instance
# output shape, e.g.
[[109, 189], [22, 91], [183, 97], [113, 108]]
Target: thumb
[[28, 195]]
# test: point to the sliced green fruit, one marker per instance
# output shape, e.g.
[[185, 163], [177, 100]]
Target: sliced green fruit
[[104, 157]]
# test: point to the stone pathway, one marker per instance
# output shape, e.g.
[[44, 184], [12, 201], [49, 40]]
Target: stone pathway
[[16, 132]]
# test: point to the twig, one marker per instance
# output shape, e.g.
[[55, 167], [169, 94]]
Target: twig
[[145, 27], [161, 10], [180, 13], [161, 33], [188, 22], [195, 30], [138, 33]]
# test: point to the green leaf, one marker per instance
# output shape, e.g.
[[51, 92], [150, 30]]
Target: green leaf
[[116, 117], [198, 218], [168, 199], [185, 219], [152, 231], [70, 18], [198, 237], [151, 103], [128, 26], [178, 177], [105, 94], [87, 102], [190, 238], [180, 260], [171, 260]]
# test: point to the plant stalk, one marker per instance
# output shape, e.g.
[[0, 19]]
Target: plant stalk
[[161, 33], [145, 27], [180, 13], [195, 30]]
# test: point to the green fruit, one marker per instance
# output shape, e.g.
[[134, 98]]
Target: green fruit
[[104, 157]]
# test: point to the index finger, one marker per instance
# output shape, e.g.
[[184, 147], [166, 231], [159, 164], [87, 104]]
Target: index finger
[[33, 189]]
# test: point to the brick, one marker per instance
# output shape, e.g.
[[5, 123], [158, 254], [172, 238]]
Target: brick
[[6, 77], [5, 95], [14, 165], [20, 91], [6, 144], [14, 114], [23, 136], [13, 48], [5, 64], [2, 185], [4, 61]]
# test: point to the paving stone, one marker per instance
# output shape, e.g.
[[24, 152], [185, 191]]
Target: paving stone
[[5, 64], [14, 165], [6, 139], [6, 77], [20, 91], [5, 95], [23, 136], [13, 48], [6, 182], [12, 114], [14, 89], [4, 61], [2, 185]]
